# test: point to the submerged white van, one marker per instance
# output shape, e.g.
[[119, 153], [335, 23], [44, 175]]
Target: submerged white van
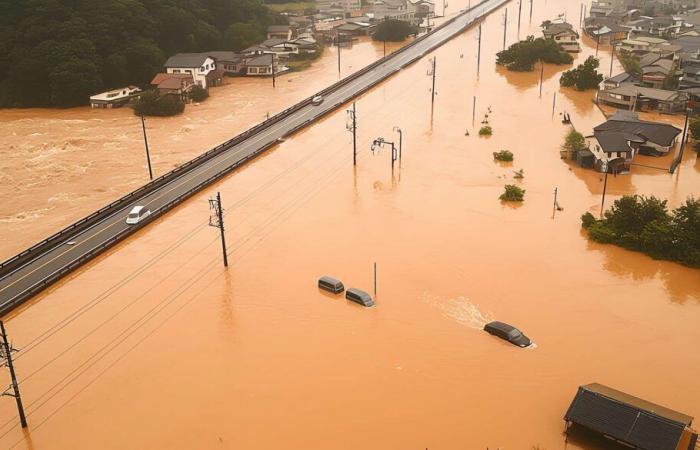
[[137, 214]]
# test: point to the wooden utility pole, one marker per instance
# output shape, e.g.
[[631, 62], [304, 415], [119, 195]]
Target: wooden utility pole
[[520, 8], [554, 207], [352, 127], [478, 53], [7, 357], [216, 220], [531, 11], [505, 27], [273, 70], [145, 142], [541, 76], [554, 104], [679, 159], [612, 54], [605, 187], [432, 101], [474, 110]]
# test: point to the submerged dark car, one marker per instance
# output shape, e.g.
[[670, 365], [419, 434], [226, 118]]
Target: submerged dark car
[[508, 332]]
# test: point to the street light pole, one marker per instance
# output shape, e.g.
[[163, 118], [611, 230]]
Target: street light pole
[[398, 130], [379, 143], [273, 70], [352, 126], [145, 141]]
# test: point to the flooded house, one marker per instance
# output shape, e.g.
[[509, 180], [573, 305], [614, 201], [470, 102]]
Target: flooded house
[[114, 98], [640, 98], [563, 34], [179, 84], [605, 30], [286, 32], [201, 66], [655, 75], [615, 142], [629, 420]]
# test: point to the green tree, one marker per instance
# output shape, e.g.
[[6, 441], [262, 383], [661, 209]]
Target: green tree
[[151, 103], [242, 35], [585, 76], [630, 63], [393, 30], [199, 94], [512, 193], [574, 141], [522, 56]]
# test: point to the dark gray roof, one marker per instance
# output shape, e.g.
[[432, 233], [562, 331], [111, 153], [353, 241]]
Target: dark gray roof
[[629, 419], [278, 28], [272, 42], [626, 123], [225, 56], [262, 60], [619, 78], [187, 60]]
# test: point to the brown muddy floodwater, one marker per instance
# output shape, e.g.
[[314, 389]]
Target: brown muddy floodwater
[[155, 345]]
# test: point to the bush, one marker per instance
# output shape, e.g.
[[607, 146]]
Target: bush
[[585, 76], [513, 193], [694, 128], [503, 155], [519, 174], [198, 93], [393, 30], [644, 224], [574, 142], [151, 103], [486, 130], [522, 56]]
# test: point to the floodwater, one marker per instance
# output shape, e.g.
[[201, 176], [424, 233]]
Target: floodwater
[[156, 345]]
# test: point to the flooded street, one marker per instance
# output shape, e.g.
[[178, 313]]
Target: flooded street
[[156, 345]]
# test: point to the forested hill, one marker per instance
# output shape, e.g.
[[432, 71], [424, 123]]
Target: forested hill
[[59, 52]]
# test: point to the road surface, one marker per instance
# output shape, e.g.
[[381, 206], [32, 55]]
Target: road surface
[[73, 249]]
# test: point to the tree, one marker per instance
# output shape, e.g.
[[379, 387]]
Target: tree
[[585, 76], [151, 103], [630, 63], [522, 56], [512, 193], [109, 44], [198, 93], [393, 30], [574, 142], [242, 35], [644, 224], [503, 155], [694, 128]]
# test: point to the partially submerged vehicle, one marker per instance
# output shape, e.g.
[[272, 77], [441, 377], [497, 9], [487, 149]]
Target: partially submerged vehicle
[[359, 296], [317, 100], [508, 333], [331, 284]]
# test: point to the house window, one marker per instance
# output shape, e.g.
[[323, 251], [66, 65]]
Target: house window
[[176, 70]]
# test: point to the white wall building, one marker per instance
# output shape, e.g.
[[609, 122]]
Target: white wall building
[[197, 64]]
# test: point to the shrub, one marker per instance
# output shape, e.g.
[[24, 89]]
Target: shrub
[[503, 155], [694, 128], [574, 142], [519, 174], [151, 103], [522, 56], [585, 76], [199, 94], [486, 130], [512, 193], [644, 224], [587, 219], [393, 30]]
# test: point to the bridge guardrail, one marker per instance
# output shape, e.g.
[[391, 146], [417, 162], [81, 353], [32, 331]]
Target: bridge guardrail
[[86, 222]]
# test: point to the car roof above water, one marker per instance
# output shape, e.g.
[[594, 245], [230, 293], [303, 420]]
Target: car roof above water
[[496, 325]]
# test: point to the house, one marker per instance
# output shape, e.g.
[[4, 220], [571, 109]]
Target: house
[[262, 65], [179, 84], [617, 80], [286, 32], [629, 96], [412, 11], [230, 63], [690, 49], [604, 29], [201, 66], [114, 98], [629, 420], [690, 77], [642, 43], [615, 142], [354, 29], [563, 34], [654, 75], [279, 46], [601, 8]]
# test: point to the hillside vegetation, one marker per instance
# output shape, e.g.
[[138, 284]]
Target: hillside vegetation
[[57, 53]]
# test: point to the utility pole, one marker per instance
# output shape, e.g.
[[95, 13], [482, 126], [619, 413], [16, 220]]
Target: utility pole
[[352, 127], [612, 54], [378, 143], [597, 44], [531, 11], [432, 72], [273, 70], [541, 76], [554, 104], [478, 53], [474, 110], [605, 187], [337, 37], [145, 142], [679, 159], [580, 19], [520, 8], [554, 208], [216, 220], [505, 27], [398, 130], [6, 356], [385, 48]]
